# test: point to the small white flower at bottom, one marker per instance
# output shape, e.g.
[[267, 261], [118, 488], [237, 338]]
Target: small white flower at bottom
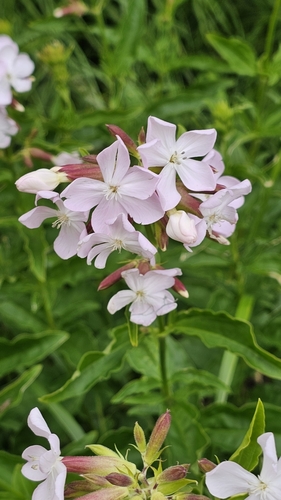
[[44, 465], [229, 478]]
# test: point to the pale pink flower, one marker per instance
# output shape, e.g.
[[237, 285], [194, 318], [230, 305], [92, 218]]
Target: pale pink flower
[[175, 156], [218, 211], [67, 158], [8, 127], [15, 70], [125, 189], [44, 465], [229, 478], [43, 179], [71, 224], [148, 295], [117, 234], [186, 228]]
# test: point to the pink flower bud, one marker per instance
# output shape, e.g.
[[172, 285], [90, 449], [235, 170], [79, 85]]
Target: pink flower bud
[[75, 8], [190, 496], [128, 141], [90, 159], [95, 465], [114, 493], [118, 479], [75, 171], [141, 136], [41, 180], [77, 488], [181, 227], [180, 288], [40, 154], [206, 465], [139, 438], [115, 276], [173, 473], [157, 438]]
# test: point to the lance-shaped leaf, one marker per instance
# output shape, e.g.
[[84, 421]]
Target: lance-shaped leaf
[[12, 394], [237, 53], [247, 455], [237, 336], [27, 349]]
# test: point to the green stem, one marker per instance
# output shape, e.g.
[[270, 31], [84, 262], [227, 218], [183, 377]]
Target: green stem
[[163, 368], [271, 29], [229, 360], [47, 305]]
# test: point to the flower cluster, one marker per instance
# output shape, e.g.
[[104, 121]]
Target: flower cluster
[[108, 475], [15, 71], [177, 188]]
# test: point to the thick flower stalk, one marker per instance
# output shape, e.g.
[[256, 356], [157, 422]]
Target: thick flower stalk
[[229, 478]]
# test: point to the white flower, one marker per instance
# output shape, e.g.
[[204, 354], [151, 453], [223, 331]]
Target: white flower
[[44, 464], [229, 478], [186, 228], [148, 294], [15, 70], [8, 127], [43, 179]]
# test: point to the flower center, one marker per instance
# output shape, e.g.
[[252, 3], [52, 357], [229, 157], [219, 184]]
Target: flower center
[[111, 192], [261, 489], [177, 157], [62, 219], [117, 245]]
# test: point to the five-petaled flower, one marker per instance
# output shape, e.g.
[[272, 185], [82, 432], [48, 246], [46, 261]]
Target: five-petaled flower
[[44, 465], [229, 478], [148, 295]]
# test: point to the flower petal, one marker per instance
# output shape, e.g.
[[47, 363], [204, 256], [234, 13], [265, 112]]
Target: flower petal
[[229, 479], [37, 423], [120, 300]]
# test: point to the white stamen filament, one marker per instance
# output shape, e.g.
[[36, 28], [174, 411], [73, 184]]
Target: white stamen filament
[[62, 219]]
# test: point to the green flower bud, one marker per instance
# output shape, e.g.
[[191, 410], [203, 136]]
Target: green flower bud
[[206, 465], [139, 438], [172, 473], [99, 449]]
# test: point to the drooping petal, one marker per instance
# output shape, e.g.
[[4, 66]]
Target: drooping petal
[[228, 479], [37, 423], [120, 300], [36, 216]]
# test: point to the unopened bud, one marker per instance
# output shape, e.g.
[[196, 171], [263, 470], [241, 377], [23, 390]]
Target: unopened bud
[[181, 227], [172, 473], [74, 171], [74, 8], [144, 266], [90, 158], [67, 158], [92, 465], [42, 179], [118, 479], [128, 141], [141, 137], [139, 438], [77, 488], [180, 288], [17, 105], [113, 493], [99, 449], [190, 496], [115, 276], [157, 438], [188, 202], [40, 154], [206, 465]]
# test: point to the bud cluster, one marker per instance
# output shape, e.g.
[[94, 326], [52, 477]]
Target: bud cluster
[[168, 194], [108, 475]]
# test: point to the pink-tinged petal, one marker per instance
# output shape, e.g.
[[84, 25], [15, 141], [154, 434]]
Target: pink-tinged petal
[[114, 162], [104, 212], [214, 159], [223, 228], [36, 216], [147, 247], [8, 55], [83, 194], [162, 130], [88, 242], [133, 279], [175, 271], [143, 211], [142, 313], [47, 195], [120, 300], [37, 423], [23, 66], [66, 244], [166, 188], [6, 40], [138, 183], [196, 175], [154, 154], [201, 228], [196, 143], [5, 140], [101, 253], [228, 479], [269, 466], [39, 180], [6, 95], [162, 303], [155, 282]]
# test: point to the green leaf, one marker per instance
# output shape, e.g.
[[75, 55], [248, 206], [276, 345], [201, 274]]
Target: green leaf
[[237, 53], [15, 316], [13, 485], [237, 336], [36, 249], [12, 394], [93, 367], [27, 349], [247, 455]]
